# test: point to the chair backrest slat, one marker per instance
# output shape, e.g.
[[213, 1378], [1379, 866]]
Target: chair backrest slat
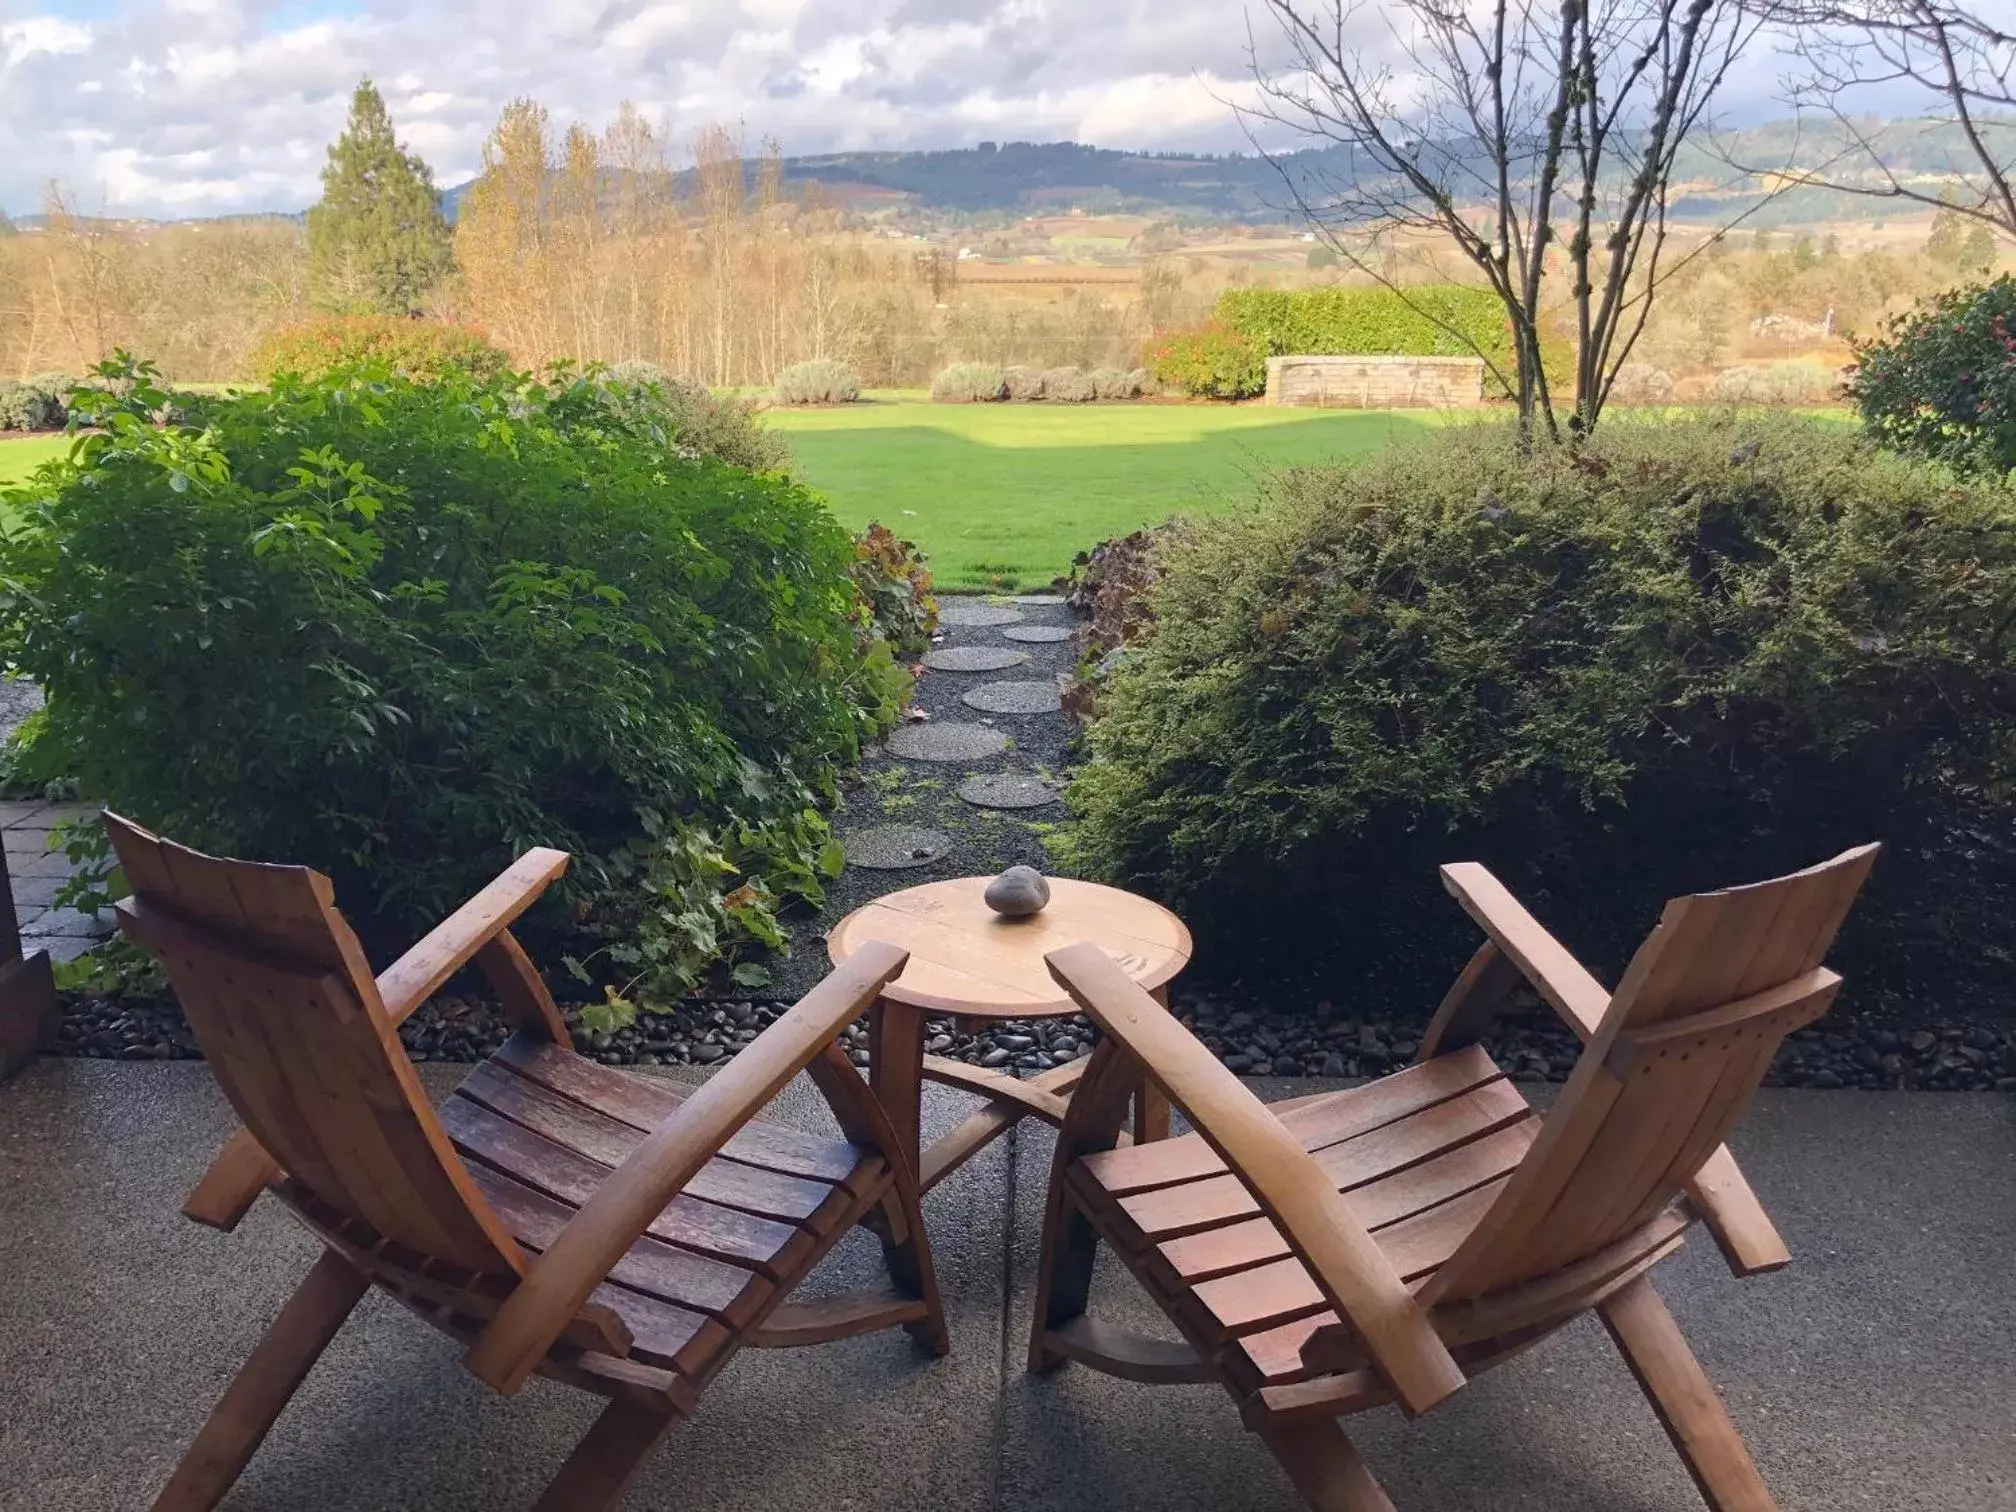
[[1680, 1052], [278, 992]]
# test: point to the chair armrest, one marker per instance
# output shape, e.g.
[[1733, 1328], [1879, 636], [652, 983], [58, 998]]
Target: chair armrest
[[1558, 977], [453, 943], [635, 1193], [1285, 1181]]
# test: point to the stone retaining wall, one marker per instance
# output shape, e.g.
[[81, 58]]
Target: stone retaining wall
[[1376, 382]]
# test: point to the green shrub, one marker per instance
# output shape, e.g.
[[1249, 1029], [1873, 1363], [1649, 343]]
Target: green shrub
[[1684, 656], [685, 415], [1022, 383], [1111, 383], [969, 383], [1941, 383], [424, 350], [402, 630], [894, 581], [38, 404], [1211, 362], [818, 382], [1067, 385], [1142, 381]]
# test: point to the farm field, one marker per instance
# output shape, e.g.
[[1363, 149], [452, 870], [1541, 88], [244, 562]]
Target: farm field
[[1003, 496]]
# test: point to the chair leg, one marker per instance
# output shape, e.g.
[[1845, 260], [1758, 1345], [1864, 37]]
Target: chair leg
[[1688, 1408], [1326, 1467], [906, 1249], [608, 1457], [264, 1385], [1063, 1274]]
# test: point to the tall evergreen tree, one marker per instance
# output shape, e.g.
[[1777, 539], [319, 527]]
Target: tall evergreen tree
[[377, 241]]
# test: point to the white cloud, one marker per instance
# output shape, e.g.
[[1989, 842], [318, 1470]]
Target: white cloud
[[202, 106]]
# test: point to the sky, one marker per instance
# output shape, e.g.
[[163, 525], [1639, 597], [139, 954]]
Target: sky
[[208, 107]]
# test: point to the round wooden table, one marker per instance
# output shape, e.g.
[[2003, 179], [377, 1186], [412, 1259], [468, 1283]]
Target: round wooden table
[[969, 962]]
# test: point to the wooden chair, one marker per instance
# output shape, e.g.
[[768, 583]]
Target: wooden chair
[[609, 1230], [1386, 1243]]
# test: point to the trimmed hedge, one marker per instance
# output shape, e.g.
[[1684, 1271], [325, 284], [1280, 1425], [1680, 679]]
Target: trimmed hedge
[[1067, 385], [1022, 383], [685, 415], [37, 404], [969, 383], [1686, 655], [423, 350], [822, 381], [1227, 359]]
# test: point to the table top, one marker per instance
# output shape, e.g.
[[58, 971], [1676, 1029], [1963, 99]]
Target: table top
[[966, 959]]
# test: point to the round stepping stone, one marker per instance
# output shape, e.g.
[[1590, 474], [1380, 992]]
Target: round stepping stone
[[1007, 790], [976, 616], [973, 659], [1014, 698], [893, 847], [1039, 600], [1038, 634], [946, 742]]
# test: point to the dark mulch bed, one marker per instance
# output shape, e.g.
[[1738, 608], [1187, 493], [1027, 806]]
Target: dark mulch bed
[[1844, 1050]]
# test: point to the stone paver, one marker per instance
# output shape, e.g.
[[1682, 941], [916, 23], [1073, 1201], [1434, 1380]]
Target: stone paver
[[1039, 600], [1873, 1375], [1007, 790], [895, 847], [1038, 635], [973, 659], [972, 616], [1014, 698], [946, 741]]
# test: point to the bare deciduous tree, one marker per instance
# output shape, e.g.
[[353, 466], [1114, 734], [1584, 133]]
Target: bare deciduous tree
[[1864, 53], [1508, 127]]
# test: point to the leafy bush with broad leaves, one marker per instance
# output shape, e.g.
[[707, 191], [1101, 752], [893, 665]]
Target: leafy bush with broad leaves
[[1682, 656], [969, 383], [423, 350], [820, 381], [1941, 382], [1212, 362], [685, 415], [1067, 385], [1022, 383], [894, 581], [38, 404], [400, 631]]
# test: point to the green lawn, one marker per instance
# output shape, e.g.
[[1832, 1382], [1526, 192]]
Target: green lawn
[[23, 455], [1005, 495]]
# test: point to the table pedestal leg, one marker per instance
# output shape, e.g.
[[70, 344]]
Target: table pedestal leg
[[896, 1070]]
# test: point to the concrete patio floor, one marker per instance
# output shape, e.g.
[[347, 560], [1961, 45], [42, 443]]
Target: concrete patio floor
[[1878, 1372]]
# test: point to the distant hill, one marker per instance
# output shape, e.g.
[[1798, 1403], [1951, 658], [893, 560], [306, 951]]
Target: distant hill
[[1024, 177]]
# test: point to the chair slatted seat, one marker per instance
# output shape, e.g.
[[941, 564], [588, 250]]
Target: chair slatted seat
[[1389, 1242], [559, 1217]]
